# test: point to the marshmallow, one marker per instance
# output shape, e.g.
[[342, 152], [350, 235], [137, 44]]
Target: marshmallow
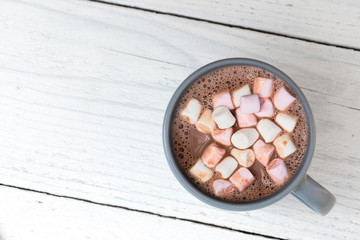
[[242, 178], [192, 110], [263, 87], [284, 146], [263, 152], [227, 166], [283, 99], [244, 138], [212, 155], [287, 122], [206, 124], [237, 94], [268, 130], [200, 171], [250, 103], [223, 117], [222, 187], [278, 171], [223, 136], [245, 158], [266, 108], [245, 120], [223, 99]]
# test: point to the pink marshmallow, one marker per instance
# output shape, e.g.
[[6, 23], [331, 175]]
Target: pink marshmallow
[[245, 120], [212, 155], [242, 178], [263, 152], [263, 87], [223, 99], [222, 187], [283, 99], [266, 108], [250, 104], [223, 136], [278, 171]]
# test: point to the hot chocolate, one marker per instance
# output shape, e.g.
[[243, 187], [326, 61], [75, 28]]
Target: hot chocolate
[[239, 133]]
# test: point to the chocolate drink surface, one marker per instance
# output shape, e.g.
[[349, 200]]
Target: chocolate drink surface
[[189, 143]]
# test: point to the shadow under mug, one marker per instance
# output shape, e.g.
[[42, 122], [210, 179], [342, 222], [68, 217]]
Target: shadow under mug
[[302, 186]]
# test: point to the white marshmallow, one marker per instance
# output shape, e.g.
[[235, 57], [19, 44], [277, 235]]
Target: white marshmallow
[[192, 110], [287, 122], [206, 124], [245, 157], [223, 117], [237, 94], [200, 171], [284, 146], [268, 129], [244, 138], [227, 166]]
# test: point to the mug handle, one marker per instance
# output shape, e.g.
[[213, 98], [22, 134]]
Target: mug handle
[[315, 196]]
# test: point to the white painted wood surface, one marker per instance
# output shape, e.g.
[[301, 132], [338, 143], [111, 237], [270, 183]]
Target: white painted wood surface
[[84, 86], [29, 215], [333, 22]]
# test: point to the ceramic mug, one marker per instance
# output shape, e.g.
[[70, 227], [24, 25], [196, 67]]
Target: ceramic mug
[[301, 185]]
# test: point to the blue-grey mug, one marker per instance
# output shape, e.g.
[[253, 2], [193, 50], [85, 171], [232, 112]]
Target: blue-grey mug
[[301, 185]]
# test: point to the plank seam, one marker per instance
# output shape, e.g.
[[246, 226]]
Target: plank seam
[[224, 24], [341, 105], [140, 211]]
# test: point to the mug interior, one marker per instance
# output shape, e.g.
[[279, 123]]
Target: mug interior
[[183, 178]]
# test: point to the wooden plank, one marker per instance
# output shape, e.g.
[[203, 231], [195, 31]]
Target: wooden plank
[[29, 215], [84, 86], [332, 22]]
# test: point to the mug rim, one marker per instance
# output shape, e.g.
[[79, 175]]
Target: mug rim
[[184, 179]]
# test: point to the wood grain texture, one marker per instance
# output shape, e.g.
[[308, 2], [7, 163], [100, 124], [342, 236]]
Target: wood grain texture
[[84, 86], [29, 215], [332, 22]]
